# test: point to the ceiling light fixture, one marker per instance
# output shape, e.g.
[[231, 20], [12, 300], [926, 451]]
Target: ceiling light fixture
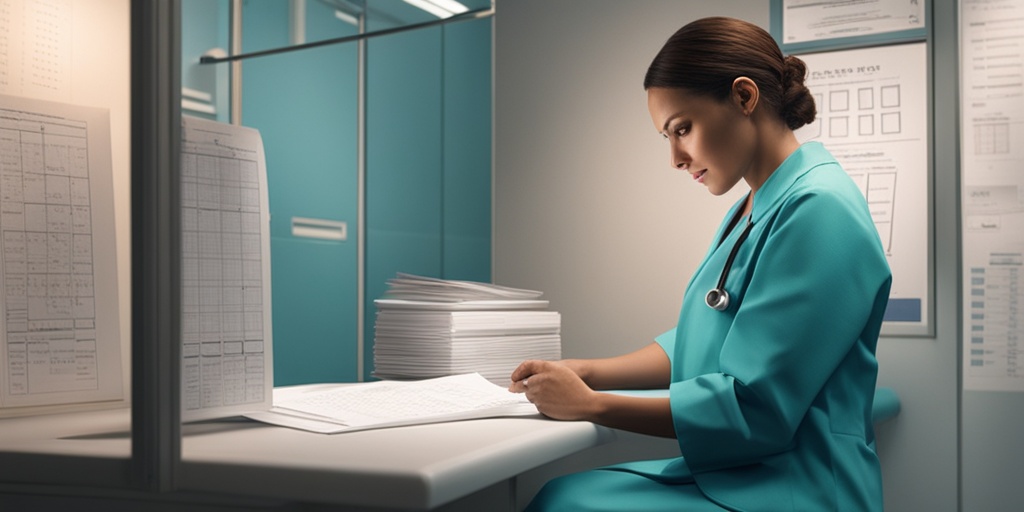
[[440, 8]]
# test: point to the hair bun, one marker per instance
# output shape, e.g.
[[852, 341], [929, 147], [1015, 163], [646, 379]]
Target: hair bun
[[798, 107], [707, 55]]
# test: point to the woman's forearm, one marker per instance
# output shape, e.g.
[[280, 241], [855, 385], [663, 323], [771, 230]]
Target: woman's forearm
[[646, 368], [650, 416]]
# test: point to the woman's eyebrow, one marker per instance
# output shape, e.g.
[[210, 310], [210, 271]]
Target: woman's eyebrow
[[671, 118]]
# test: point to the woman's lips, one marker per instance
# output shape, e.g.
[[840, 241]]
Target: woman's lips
[[699, 176]]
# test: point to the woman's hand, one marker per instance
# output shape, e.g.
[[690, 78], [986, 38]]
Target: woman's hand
[[556, 389]]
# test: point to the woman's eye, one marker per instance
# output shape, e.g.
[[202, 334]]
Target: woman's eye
[[677, 131]]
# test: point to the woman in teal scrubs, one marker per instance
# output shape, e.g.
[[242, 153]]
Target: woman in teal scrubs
[[770, 391]]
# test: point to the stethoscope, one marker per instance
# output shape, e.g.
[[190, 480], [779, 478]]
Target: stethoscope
[[717, 298]]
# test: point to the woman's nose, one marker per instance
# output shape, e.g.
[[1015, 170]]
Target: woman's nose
[[679, 159]]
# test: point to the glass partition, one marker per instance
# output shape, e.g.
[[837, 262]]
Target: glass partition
[[65, 244], [384, 139]]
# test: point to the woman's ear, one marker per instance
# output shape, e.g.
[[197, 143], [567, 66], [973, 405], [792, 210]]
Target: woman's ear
[[745, 94]]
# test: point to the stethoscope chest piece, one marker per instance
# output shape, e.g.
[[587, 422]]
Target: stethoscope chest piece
[[717, 299]]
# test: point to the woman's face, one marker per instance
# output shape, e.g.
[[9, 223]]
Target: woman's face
[[712, 140]]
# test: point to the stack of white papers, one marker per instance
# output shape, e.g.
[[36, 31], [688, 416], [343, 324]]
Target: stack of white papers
[[461, 330], [412, 287], [334, 408]]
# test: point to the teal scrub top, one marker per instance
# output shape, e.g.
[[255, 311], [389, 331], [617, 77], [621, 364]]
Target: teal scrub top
[[771, 398]]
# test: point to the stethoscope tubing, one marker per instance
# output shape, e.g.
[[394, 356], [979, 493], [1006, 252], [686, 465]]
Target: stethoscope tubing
[[718, 298]]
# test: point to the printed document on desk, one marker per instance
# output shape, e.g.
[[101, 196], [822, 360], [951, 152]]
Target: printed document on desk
[[336, 408]]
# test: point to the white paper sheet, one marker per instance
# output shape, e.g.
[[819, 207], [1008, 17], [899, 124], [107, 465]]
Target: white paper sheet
[[227, 365], [331, 409], [61, 332]]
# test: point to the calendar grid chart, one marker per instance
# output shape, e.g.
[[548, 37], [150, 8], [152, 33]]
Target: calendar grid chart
[[224, 269]]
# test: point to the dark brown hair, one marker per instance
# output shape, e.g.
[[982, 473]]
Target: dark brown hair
[[707, 55]]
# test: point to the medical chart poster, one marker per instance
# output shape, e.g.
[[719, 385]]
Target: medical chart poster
[[60, 330], [873, 116], [227, 363], [992, 193]]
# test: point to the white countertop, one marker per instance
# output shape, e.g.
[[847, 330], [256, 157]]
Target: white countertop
[[417, 467]]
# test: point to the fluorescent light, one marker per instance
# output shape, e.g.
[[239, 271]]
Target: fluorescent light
[[450, 5], [440, 8], [431, 8], [346, 17]]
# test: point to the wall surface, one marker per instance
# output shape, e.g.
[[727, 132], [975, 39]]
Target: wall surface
[[588, 210], [587, 207]]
